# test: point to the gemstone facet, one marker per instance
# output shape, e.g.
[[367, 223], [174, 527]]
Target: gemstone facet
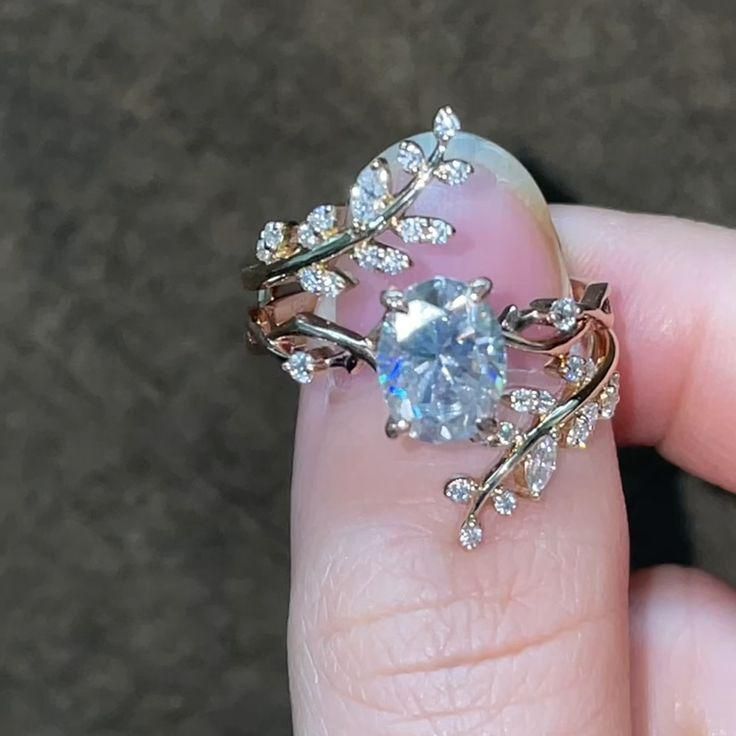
[[442, 362], [461, 490], [539, 465], [300, 366], [564, 313], [371, 194]]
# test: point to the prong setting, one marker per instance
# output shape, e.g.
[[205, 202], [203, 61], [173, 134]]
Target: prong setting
[[480, 288], [396, 427], [393, 300], [426, 348]]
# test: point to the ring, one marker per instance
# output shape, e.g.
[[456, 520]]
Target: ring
[[523, 383]]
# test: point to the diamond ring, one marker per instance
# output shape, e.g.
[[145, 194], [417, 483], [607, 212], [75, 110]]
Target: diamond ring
[[522, 381]]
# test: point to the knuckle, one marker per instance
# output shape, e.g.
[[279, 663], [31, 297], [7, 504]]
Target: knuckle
[[404, 626]]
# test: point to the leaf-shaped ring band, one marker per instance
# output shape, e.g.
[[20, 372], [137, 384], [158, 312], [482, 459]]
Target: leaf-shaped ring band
[[441, 354]]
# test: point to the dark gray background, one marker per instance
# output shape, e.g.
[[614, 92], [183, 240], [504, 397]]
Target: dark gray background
[[143, 513]]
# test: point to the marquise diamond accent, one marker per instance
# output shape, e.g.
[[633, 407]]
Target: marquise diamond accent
[[539, 465], [371, 194]]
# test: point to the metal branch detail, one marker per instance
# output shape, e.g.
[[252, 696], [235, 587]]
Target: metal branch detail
[[525, 425]]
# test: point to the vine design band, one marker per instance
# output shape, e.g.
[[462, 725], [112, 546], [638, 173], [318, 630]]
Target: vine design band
[[441, 355]]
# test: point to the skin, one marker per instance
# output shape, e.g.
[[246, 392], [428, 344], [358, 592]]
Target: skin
[[394, 629]]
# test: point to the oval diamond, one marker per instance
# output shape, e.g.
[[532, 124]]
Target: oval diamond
[[442, 361]]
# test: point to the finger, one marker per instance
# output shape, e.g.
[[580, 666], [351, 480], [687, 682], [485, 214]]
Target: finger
[[394, 629], [673, 286], [683, 649]]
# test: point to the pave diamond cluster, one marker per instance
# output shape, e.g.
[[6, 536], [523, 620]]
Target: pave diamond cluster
[[440, 352]]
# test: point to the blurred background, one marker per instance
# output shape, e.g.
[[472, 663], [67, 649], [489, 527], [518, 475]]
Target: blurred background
[[144, 480]]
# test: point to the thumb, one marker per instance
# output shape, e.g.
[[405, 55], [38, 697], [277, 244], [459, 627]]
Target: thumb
[[394, 628]]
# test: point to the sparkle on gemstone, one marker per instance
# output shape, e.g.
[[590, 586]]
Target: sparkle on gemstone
[[446, 124], [505, 502], [371, 194], [471, 534], [609, 398], [442, 363], [320, 222], [410, 157], [504, 434], [582, 426], [539, 464], [574, 369], [461, 490], [563, 314], [381, 258], [317, 279], [270, 241], [300, 366], [453, 172], [425, 230]]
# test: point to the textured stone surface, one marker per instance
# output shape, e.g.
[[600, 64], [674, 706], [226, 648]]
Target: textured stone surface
[[143, 144]]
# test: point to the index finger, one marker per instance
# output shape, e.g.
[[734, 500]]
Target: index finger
[[674, 286]]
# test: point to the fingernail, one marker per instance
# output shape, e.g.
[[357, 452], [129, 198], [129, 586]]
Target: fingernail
[[503, 231]]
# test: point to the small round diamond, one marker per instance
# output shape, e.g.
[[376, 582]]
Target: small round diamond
[[545, 402], [505, 434], [563, 314], [300, 366], [574, 370], [609, 398], [471, 534], [461, 490], [271, 241], [505, 503]]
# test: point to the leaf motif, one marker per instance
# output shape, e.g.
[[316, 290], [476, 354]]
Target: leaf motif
[[453, 172], [271, 242], [319, 280], [318, 225], [383, 258], [424, 230], [411, 157], [446, 124], [531, 401], [371, 194]]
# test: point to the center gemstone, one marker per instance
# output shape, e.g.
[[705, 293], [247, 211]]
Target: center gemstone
[[441, 363]]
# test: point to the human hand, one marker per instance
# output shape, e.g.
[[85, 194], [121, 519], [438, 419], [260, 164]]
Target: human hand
[[394, 629]]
